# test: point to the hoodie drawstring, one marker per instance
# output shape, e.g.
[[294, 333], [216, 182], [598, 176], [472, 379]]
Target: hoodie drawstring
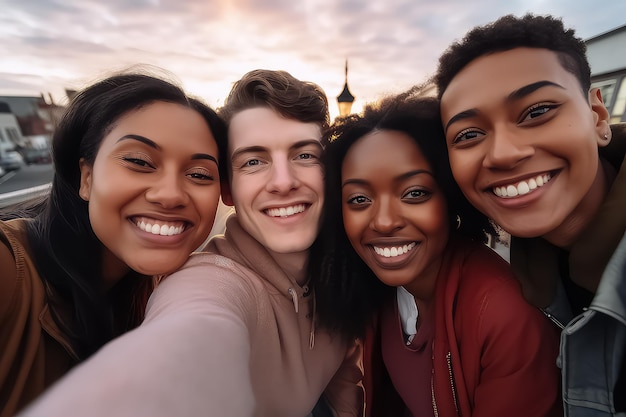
[[312, 335], [294, 299]]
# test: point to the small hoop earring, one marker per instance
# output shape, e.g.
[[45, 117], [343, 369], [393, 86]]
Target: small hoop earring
[[606, 136], [458, 222]]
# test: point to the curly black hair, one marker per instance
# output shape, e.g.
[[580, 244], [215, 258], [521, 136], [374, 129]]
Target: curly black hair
[[347, 292], [509, 32]]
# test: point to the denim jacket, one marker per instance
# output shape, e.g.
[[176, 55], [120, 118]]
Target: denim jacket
[[593, 347]]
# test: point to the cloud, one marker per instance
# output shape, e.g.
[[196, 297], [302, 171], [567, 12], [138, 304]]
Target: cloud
[[390, 44]]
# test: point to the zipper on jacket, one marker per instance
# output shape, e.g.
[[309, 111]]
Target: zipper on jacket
[[449, 360], [432, 392], [553, 319]]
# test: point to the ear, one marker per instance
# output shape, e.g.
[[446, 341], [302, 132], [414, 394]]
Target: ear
[[227, 197], [601, 117], [86, 176]]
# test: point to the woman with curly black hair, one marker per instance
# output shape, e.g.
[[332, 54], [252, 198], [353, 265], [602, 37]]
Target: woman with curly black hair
[[401, 262]]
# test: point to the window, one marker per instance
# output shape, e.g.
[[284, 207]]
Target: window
[[13, 134]]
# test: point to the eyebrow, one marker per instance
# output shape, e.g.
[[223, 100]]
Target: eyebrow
[[141, 139], [400, 177], [154, 145], [259, 149], [531, 88], [514, 96]]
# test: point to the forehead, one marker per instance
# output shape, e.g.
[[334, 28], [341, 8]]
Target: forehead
[[389, 150], [169, 125], [261, 127], [494, 76]]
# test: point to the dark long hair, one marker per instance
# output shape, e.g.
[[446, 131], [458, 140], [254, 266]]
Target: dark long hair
[[67, 253], [347, 291]]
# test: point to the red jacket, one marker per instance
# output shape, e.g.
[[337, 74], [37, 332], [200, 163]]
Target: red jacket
[[494, 354]]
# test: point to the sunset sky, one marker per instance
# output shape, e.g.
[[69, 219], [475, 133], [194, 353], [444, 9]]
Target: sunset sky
[[49, 45]]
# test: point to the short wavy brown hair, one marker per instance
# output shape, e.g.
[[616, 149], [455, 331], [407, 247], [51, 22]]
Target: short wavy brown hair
[[290, 97]]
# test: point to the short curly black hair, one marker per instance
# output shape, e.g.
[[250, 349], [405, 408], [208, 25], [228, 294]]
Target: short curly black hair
[[509, 32]]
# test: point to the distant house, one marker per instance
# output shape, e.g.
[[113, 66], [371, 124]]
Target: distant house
[[607, 57], [36, 119], [10, 132]]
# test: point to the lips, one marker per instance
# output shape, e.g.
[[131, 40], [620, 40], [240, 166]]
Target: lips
[[160, 227], [522, 187], [285, 211]]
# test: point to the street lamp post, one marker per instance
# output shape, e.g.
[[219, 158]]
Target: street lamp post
[[345, 99]]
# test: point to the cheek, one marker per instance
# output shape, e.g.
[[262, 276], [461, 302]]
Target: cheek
[[461, 168], [208, 203], [435, 220]]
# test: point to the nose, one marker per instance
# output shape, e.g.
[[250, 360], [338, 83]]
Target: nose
[[506, 150], [387, 216], [283, 177], [168, 191]]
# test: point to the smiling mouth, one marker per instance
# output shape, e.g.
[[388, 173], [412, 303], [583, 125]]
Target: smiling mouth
[[522, 187], [393, 251], [285, 211], [162, 228]]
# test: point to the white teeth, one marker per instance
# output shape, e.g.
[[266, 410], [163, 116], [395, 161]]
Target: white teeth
[[394, 250], [163, 230], [285, 211], [523, 187]]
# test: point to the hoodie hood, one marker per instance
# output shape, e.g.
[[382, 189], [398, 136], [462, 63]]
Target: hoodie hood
[[241, 247]]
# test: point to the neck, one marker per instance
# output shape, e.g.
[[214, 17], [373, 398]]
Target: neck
[[294, 264], [113, 270], [424, 286], [573, 226]]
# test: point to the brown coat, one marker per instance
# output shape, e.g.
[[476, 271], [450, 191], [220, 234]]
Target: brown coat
[[35, 353]]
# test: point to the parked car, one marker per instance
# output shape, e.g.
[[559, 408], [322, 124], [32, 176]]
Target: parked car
[[36, 155], [11, 160]]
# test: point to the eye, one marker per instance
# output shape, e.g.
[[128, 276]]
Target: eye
[[201, 175], [138, 161], [358, 200], [538, 110], [467, 135], [307, 157], [252, 163], [416, 195]]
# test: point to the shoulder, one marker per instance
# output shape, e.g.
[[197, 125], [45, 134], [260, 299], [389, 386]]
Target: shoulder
[[478, 262], [207, 283], [488, 291], [12, 260], [21, 289], [8, 278]]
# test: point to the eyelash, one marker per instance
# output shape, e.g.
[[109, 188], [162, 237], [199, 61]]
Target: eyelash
[[535, 107], [352, 200], [202, 175], [138, 162], [464, 132], [422, 194]]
